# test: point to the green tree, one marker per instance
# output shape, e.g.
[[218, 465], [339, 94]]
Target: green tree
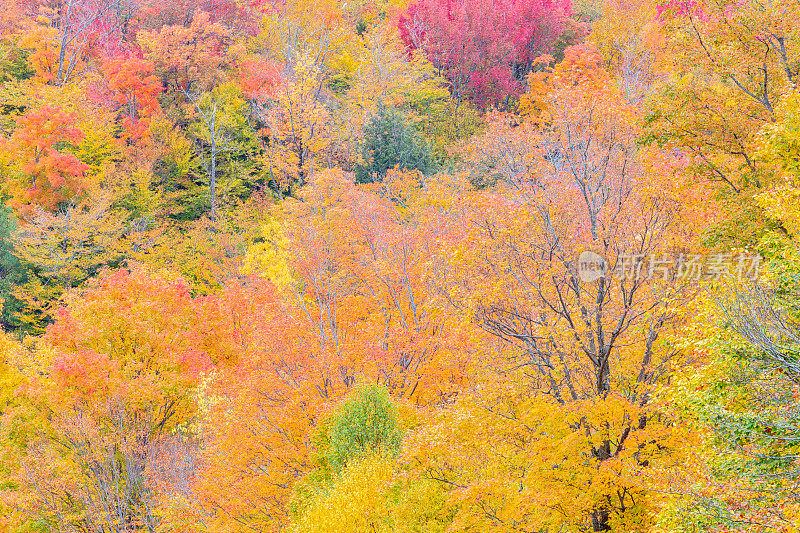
[[362, 425], [11, 273], [221, 136], [391, 141]]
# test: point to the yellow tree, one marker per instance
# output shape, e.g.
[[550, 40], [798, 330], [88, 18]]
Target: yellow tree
[[296, 125], [559, 409], [627, 38], [729, 65], [306, 38]]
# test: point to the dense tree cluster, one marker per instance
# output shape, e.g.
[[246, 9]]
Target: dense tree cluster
[[426, 265]]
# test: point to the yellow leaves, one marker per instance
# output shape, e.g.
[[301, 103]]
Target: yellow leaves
[[174, 146], [41, 38], [622, 29], [386, 76], [783, 203], [379, 72], [65, 247], [344, 63], [533, 104], [535, 464], [270, 257], [297, 124], [781, 139], [305, 28], [358, 501], [11, 364]]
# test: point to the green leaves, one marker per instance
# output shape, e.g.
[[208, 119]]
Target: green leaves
[[389, 142], [362, 425]]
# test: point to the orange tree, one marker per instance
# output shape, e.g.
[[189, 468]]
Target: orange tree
[[110, 383], [559, 410]]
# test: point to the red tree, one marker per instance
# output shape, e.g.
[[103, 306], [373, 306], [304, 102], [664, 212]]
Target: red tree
[[485, 48], [135, 89]]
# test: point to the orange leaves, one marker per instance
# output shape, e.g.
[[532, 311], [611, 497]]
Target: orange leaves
[[449, 296], [361, 260], [259, 405], [113, 377], [581, 67], [41, 39], [194, 57], [83, 374], [41, 130], [259, 79], [139, 325], [47, 175], [579, 80], [135, 89]]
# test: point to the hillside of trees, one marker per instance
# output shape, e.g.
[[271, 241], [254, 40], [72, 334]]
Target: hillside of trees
[[434, 266]]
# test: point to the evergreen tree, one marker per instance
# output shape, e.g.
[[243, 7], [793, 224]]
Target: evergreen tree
[[389, 142]]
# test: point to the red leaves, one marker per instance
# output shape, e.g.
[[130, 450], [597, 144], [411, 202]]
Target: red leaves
[[191, 57], [135, 89], [483, 47], [41, 130], [83, 374]]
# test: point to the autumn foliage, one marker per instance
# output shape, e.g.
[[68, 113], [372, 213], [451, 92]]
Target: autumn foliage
[[437, 266], [45, 174], [484, 49]]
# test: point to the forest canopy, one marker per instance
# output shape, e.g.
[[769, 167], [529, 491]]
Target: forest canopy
[[399, 265]]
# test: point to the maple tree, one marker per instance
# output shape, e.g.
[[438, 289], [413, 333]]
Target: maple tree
[[109, 393], [483, 49], [259, 413], [193, 57], [44, 174], [283, 265], [583, 357], [135, 90], [379, 271], [295, 124]]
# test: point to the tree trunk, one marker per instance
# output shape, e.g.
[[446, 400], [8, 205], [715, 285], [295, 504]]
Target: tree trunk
[[213, 174], [64, 34]]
